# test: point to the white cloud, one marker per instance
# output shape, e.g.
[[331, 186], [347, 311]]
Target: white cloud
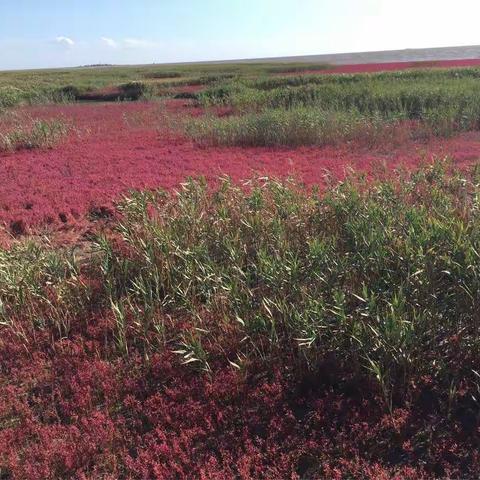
[[65, 41], [138, 43], [109, 41]]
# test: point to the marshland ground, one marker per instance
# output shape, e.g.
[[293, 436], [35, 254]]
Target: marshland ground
[[240, 271]]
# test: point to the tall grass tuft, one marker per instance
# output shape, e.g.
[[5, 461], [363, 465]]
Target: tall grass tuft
[[439, 103], [295, 127], [40, 289], [384, 278], [41, 134], [379, 281]]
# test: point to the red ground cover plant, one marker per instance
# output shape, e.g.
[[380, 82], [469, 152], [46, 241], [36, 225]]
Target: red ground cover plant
[[394, 66], [68, 411], [121, 146]]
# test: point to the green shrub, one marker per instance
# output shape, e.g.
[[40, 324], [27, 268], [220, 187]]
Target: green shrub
[[136, 90], [68, 93], [10, 96]]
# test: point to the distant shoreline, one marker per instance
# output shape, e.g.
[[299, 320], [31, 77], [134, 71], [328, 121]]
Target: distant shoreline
[[469, 52], [383, 56]]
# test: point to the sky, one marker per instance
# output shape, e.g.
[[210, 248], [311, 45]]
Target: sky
[[62, 33]]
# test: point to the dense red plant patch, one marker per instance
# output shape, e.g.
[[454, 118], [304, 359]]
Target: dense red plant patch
[[121, 146], [393, 66], [73, 409]]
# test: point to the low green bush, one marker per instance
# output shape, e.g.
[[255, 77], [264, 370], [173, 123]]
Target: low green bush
[[136, 90]]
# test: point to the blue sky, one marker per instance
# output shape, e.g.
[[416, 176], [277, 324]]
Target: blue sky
[[50, 33]]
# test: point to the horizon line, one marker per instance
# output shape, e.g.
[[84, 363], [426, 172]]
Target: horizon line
[[364, 57]]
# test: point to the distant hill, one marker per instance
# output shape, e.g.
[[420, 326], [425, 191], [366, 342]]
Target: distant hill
[[407, 55]]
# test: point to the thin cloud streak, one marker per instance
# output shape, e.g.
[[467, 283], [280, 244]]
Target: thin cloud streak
[[64, 41], [109, 42]]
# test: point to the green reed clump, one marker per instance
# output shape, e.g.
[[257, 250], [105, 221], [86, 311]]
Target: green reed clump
[[385, 277], [136, 90], [40, 289], [223, 93], [295, 127], [41, 134], [423, 75], [10, 96], [408, 99], [382, 278], [441, 103]]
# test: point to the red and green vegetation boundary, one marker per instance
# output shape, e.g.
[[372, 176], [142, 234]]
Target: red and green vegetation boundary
[[219, 328], [256, 332]]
